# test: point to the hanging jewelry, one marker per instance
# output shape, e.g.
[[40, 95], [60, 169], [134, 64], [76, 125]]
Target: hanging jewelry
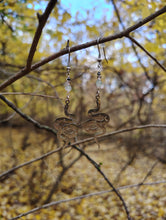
[[97, 121], [65, 127], [101, 118]]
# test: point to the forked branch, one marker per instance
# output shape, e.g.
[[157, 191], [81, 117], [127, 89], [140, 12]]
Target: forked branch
[[124, 33], [38, 125]]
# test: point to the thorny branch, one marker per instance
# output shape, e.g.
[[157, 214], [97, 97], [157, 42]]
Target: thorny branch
[[124, 33], [83, 197]]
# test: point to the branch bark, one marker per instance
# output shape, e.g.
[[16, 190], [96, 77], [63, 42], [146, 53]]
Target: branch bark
[[26, 117], [9, 172], [64, 51], [152, 57], [133, 41], [38, 125], [97, 166], [42, 19], [83, 197]]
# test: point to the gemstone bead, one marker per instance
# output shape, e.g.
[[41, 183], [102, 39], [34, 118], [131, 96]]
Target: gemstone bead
[[99, 84], [68, 87]]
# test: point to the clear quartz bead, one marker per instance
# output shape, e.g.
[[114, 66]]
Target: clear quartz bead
[[68, 86], [99, 83]]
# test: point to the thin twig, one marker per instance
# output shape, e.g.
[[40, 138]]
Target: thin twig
[[128, 163], [149, 173], [98, 168], [86, 141], [132, 43], [29, 94], [84, 197], [47, 128], [42, 19], [38, 125], [150, 55], [59, 178], [27, 117], [7, 173], [64, 51]]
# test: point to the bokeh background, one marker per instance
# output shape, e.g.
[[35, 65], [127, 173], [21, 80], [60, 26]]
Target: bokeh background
[[133, 94]]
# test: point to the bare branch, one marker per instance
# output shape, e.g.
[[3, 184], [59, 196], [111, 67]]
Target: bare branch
[[38, 125], [7, 173], [83, 197], [81, 142], [64, 51], [59, 178], [29, 94], [133, 41], [42, 19], [117, 14], [149, 172], [152, 57], [26, 117], [98, 168]]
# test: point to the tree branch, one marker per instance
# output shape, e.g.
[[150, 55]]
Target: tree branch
[[81, 142], [152, 57], [149, 172], [38, 125], [59, 179], [64, 51], [26, 117], [83, 197], [97, 166], [29, 94], [42, 19], [2, 175], [133, 41], [7, 173]]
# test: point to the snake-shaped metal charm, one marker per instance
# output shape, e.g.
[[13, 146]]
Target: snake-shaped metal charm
[[66, 128], [97, 121]]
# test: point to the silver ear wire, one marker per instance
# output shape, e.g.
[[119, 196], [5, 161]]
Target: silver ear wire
[[99, 57], [68, 62], [104, 54], [68, 80]]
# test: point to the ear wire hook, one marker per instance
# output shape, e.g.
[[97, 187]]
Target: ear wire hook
[[68, 84], [99, 57], [104, 54], [68, 62]]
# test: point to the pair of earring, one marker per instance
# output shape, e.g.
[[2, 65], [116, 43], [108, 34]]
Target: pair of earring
[[66, 128]]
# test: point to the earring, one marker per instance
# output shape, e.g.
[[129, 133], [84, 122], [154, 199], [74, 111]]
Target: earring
[[96, 123], [66, 129]]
